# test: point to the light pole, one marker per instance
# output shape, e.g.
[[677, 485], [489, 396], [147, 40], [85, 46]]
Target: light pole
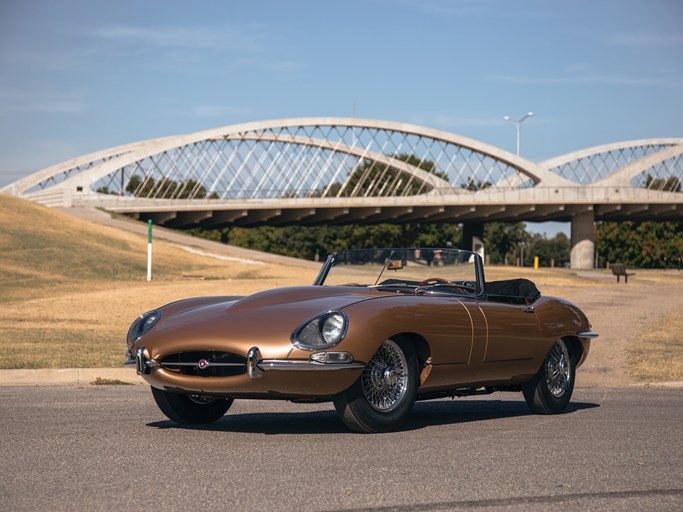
[[518, 122]]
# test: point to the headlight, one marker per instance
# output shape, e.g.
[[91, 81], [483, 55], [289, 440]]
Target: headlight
[[322, 331], [142, 324]]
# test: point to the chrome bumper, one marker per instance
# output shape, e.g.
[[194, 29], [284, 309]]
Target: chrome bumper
[[587, 334], [256, 366]]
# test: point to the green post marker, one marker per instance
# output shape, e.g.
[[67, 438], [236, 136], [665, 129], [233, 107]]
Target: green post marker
[[149, 250]]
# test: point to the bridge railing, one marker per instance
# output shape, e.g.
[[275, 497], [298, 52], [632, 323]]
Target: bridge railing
[[441, 196]]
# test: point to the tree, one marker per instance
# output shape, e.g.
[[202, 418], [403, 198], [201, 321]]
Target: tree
[[503, 240], [640, 244], [307, 242], [167, 188], [374, 179], [550, 250], [670, 184]]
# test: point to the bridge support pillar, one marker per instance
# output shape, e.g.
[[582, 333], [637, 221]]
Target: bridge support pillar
[[470, 231], [583, 240]]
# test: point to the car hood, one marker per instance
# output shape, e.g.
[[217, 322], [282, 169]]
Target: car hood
[[235, 324]]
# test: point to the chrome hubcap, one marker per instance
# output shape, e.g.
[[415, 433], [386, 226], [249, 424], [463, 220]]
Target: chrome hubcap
[[385, 380], [557, 369]]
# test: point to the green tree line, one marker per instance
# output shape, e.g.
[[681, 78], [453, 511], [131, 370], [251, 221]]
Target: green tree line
[[643, 245], [640, 244], [502, 241]]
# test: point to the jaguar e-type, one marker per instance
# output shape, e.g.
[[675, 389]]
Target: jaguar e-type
[[377, 330]]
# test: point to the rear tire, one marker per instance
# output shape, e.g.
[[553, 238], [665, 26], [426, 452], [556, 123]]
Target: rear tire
[[191, 409], [384, 395], [550, 390]]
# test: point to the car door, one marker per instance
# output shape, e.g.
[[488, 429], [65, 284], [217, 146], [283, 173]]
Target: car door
[[513, 332]]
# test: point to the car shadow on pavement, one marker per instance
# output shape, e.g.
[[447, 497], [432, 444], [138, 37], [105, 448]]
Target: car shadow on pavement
[[425, 414]]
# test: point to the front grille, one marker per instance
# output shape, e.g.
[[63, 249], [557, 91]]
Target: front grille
[[218, 364]]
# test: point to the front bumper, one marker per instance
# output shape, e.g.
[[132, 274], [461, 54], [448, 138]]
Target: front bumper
[[255, 378], [255, 365]]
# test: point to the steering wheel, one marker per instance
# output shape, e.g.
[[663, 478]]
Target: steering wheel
[[468, 286], [433, 280]]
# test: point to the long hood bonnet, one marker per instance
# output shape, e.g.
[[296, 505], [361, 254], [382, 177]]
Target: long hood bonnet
[[265, 319]]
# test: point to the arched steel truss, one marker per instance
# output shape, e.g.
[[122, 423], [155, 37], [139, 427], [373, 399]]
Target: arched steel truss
[[316, 164]]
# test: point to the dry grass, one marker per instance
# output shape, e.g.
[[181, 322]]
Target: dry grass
[[657, 356], [71, 288]]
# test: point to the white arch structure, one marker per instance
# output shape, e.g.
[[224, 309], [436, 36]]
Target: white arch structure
[[344, 170]]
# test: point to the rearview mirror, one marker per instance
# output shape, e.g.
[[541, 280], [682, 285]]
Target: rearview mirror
[[394, 264]]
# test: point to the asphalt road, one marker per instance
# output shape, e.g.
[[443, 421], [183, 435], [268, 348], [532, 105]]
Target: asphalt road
[[109, 448]]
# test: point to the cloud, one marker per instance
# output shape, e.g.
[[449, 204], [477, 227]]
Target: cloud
[[646, 40], [210, 111], [247, 46], [47, 103], [450, 8], [198, 38], [451, 122], [587, 79]]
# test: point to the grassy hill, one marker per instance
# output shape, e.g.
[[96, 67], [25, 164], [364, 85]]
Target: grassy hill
[[44, 247], [70, 288]]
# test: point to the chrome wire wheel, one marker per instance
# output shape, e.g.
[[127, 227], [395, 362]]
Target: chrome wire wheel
[[558, 369], [385, 378]]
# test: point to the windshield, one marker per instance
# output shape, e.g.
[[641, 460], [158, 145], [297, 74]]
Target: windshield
[[409, 270]]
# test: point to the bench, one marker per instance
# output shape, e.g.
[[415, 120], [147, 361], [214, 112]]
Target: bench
[[619, 270]]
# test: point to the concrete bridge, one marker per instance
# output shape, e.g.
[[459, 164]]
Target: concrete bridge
[[313, 171]]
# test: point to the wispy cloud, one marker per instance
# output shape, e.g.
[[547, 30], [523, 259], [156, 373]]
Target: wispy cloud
[[587, 79], [455, 122], [455, 7], [205, 38], [210, 111], [249, 46], [47, 103], [646, 40]]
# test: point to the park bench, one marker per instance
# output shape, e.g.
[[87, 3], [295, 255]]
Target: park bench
[[619, 270]]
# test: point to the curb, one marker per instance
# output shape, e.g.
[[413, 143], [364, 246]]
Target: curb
[[69, 377], [111, 376]]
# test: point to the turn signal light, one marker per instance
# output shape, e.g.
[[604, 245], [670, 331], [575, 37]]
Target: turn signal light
[[332, 357]]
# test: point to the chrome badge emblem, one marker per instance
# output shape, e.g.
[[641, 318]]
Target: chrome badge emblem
[[203, 364]]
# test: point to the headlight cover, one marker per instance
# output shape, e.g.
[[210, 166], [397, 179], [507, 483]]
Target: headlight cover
[[141, 325], [323, 331]]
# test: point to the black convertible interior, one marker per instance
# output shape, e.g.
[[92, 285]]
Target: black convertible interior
[[513, 291]]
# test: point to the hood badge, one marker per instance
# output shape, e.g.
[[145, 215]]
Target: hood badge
[[203, 364]]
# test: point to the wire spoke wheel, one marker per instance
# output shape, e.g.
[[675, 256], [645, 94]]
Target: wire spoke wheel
[[384, 394], [557, 369], [550, 390], [385, 380]]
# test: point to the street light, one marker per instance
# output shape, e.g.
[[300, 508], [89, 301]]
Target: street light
[[518, 122]]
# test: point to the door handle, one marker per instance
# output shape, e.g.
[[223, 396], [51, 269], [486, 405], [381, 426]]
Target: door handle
[[529, 309]]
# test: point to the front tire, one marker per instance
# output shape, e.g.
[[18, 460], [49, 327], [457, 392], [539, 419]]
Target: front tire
[[550, 390], [191, 409], [384, 395]]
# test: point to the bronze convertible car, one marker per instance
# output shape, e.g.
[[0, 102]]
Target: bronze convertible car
[[377, 330]]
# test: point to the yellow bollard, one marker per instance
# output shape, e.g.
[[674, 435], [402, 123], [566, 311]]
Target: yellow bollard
[[535, 262]]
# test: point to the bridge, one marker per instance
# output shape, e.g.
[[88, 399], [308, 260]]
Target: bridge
[[313, 171]]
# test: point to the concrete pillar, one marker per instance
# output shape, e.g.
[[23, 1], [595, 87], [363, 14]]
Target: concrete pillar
[[470, 230], [583, 244]]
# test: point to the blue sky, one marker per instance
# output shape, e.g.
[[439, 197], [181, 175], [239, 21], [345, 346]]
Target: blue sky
[[78, 76]]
